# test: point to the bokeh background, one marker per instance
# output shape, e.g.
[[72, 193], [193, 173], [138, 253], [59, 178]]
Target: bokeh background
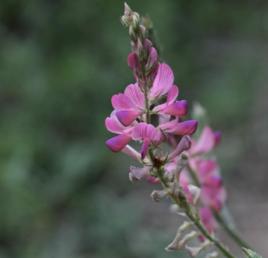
[[62, 193]]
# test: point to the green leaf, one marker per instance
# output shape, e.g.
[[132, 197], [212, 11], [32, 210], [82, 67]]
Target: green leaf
[[250, 253]]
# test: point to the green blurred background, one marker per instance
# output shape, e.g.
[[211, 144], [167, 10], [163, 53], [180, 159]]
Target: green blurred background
[[62, 193]]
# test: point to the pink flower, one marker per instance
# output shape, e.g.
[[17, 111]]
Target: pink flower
[[117, 143], [129, 105], [148, 134]]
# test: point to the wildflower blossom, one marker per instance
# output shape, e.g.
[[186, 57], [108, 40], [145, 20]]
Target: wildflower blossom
[[149, 113]]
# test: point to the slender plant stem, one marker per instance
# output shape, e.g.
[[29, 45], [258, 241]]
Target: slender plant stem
[[230, 231]]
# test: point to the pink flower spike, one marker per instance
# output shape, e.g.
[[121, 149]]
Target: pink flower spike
[[183, 145], [127, 117], [163, 81], [117, 143], [178, 108], [185, 128], [205, 143]]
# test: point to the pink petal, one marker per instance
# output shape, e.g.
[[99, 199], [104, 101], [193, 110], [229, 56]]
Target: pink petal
[[172, 94], [217, 137], [133, 61], [144, 131], [207, 219], [117, 143], [163, 81], [144, 148], [127, 117], [205, 143], [152, 180], [134, 93], [153, 57], [213, 181], [183, 145], [113, 125], [168, 126], [185, 128], [121, 101], [178, 108], [206, 168]]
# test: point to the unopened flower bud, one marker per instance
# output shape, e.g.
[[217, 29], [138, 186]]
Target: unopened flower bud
[[158, 195], [130, 18]]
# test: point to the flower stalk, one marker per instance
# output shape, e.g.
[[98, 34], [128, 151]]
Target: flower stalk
[[149, 113]]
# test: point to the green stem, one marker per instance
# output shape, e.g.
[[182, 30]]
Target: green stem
[[230, 231]]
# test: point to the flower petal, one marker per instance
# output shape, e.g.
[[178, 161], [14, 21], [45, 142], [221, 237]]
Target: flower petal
[[133, 61], [217, 137], [172, 94], [144, 148], [121, 101], [134, 93], [153, 57], [207, 219], [178, 108], [144, 131], [127, 117], [205, 143], [184, 128], [163, 81], [113, 125], [183, 145], [117, 143]]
